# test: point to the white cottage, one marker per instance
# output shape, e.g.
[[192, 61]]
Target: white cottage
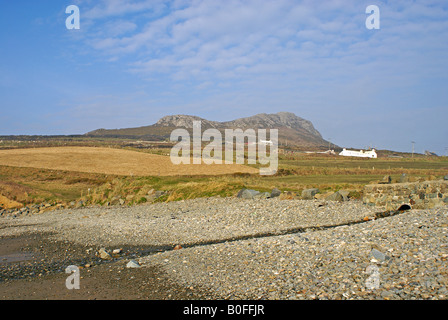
[[360, 153]]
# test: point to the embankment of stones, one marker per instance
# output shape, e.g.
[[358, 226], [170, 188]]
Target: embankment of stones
[[417, 195]]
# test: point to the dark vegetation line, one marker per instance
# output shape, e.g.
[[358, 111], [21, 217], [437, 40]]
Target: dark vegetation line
[[378, 215]]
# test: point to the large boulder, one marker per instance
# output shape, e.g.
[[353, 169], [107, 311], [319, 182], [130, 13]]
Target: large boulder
[[308, 194], [335, 197], [247, 193], [275, 193]]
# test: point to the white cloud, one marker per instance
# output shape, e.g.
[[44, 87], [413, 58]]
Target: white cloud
[[253, 53], [221, 39], [113, 8]]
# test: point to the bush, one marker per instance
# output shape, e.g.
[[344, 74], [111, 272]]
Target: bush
[[142, 200]]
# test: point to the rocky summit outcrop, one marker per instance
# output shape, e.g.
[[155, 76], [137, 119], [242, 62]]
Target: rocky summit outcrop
[[185, 121], [292, 130], [278, 120]]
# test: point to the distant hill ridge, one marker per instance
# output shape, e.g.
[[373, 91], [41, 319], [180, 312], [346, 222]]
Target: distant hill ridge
[[293, 130]]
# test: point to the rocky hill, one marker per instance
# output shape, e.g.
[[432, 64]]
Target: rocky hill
[[292, 130]]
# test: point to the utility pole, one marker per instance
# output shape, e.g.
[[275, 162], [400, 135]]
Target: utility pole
[[413, 142]]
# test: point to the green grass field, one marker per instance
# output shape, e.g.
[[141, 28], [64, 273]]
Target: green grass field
[[328, 173]]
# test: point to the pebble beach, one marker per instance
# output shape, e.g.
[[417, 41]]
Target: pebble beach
[[231, 248]]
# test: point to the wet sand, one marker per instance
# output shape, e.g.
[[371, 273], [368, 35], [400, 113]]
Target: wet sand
[[32, 267]]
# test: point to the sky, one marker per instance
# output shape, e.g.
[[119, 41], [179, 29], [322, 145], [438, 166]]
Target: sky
[[132, 62]]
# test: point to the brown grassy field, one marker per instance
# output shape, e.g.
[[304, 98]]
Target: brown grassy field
[[110, 161], [104, 175]]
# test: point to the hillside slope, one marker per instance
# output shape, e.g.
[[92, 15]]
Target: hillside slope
[[293, 130]]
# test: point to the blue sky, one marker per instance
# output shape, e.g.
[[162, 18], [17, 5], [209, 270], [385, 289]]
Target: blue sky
[[134, 61]]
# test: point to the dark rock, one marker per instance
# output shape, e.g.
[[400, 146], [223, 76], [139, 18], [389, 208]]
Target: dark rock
[[445, 177], [308, 194], [275, 193]]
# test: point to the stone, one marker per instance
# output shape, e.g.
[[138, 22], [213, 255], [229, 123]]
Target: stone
[[335, 197], [133, 264], [275, 193], [344, 194], [103, 254], [159, 193], [378, 255], [177, 247], [262, 195], [445, 177], [247, 193], [116, 251], [308, 194]]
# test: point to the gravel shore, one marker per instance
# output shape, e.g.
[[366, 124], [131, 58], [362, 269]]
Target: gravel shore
[[187, 222], [266, 248]]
